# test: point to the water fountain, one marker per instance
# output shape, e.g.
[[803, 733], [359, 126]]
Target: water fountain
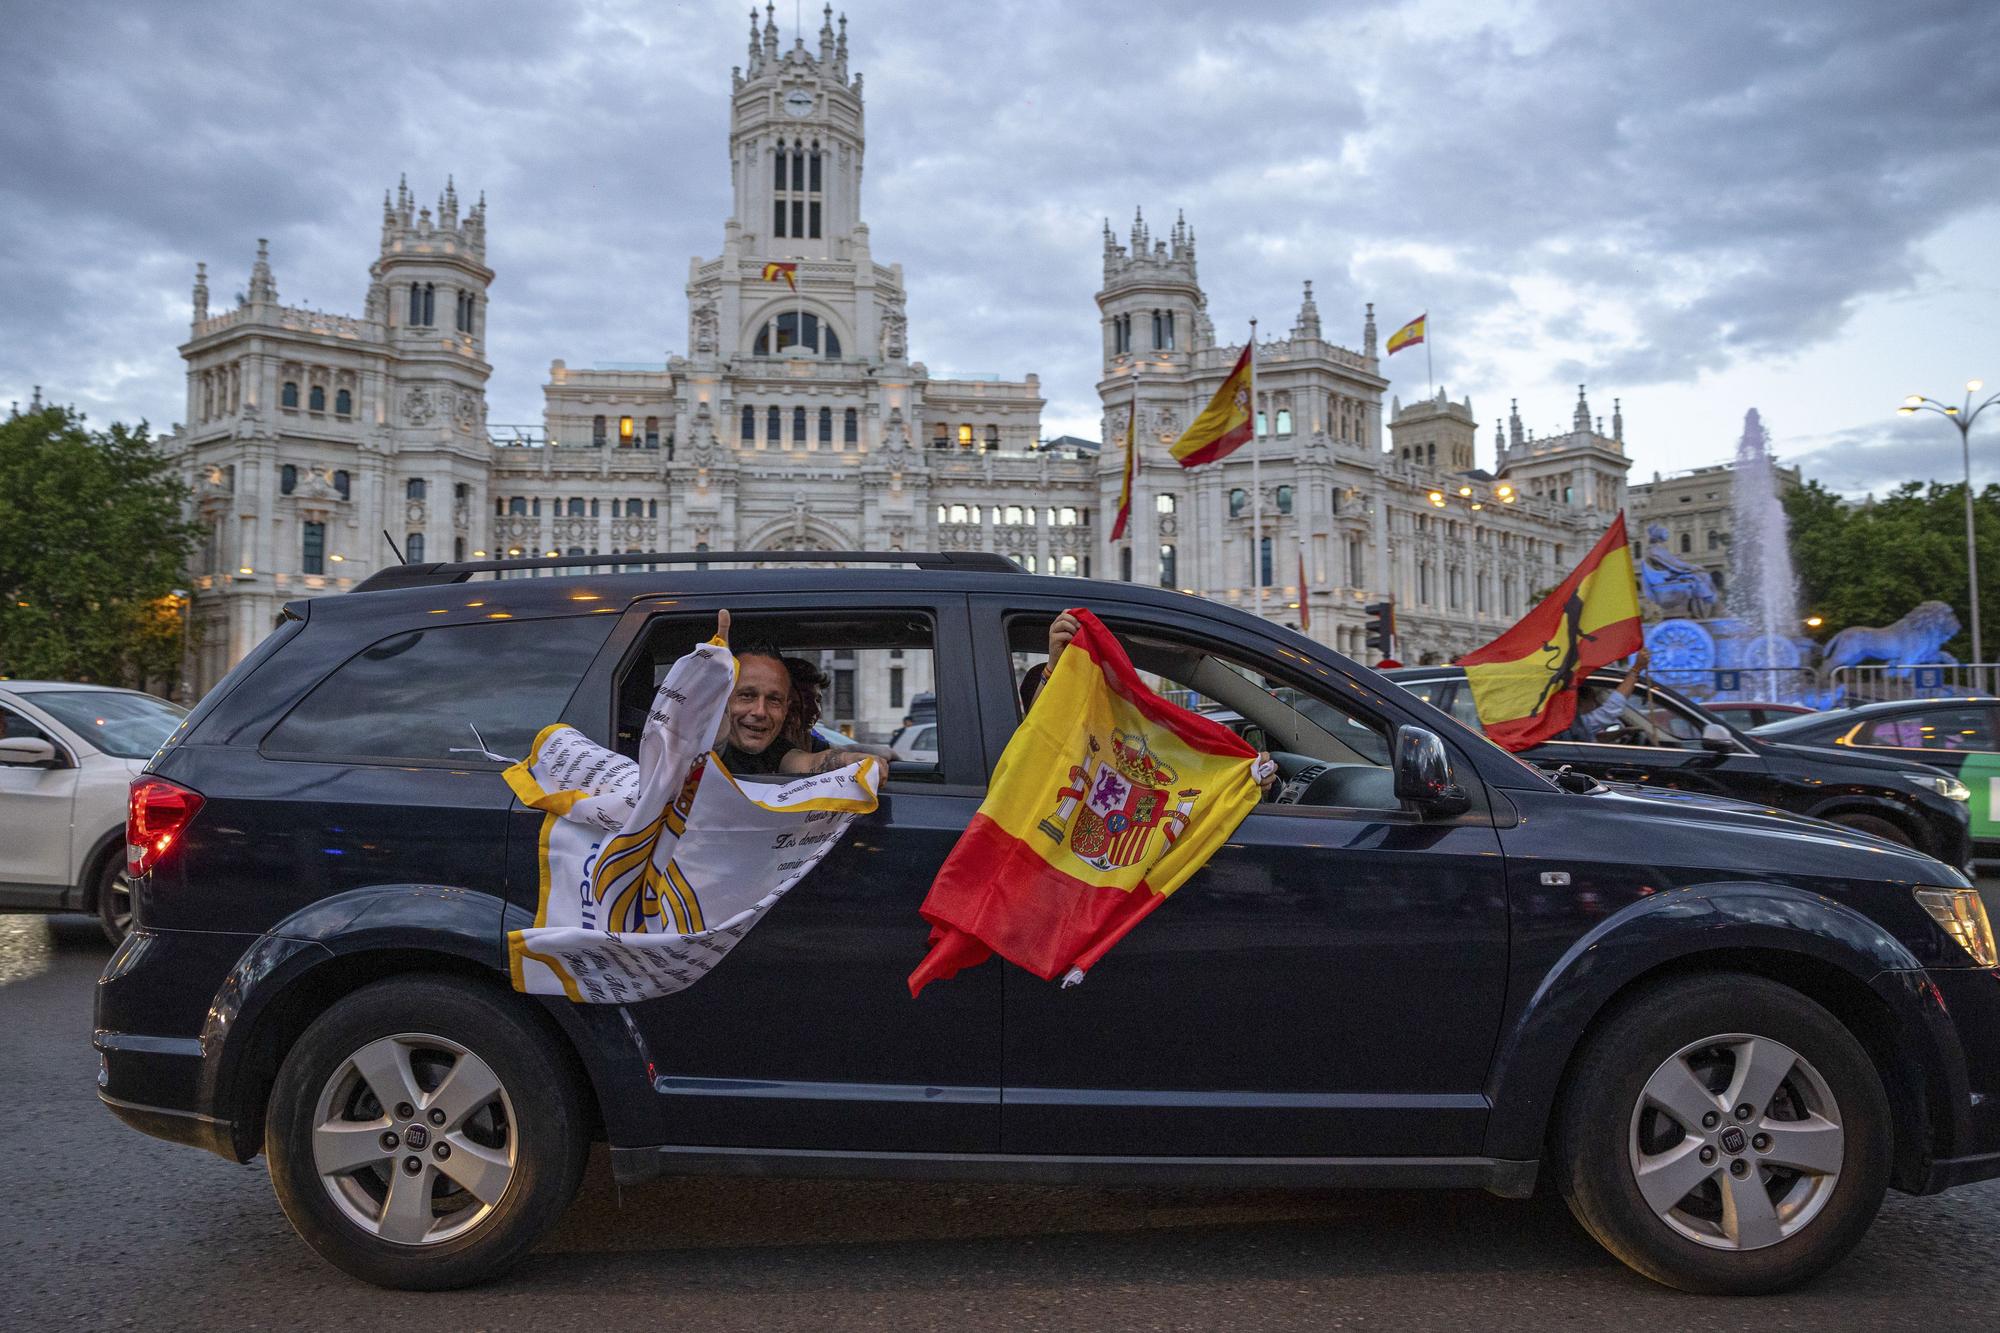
[[1763, 591]]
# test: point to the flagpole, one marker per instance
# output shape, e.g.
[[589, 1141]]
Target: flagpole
[[1256, 483], [1429, 375]]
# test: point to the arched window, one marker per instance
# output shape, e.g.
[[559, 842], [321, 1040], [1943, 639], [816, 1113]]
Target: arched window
[[1012, 514], [748, 430], [1284, 499], [518, 506], [1163, 504], [830, 339], [850, 428], [625, 432], [826, 425], [1125, 563], [316, 398], [1284, 421], [1687, 543], [1239, 500], [416, 303], [965, 436], [413, 548], [576, 506], [312, 548], [774, 426], [288, 479], [1066, 565], [1034, 566], [634, 508], [342, 484], [652, 432], [992, 436], [343, 404], [652, 509], [593, 506], [597, 431], [1169, 567], [416, 488], [430, 304], [958, 513], [1263, 571], [289, 395], [798, 425], [535, 507]]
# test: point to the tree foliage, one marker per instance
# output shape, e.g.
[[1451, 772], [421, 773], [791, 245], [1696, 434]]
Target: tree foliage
[[92, 545], [1869, 564]]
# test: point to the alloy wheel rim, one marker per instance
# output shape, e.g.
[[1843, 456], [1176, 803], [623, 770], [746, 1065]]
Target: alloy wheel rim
[[414, 1139], [1736, 1142], [119, 887]]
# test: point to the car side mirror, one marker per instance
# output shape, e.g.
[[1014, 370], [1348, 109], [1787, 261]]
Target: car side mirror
[[1423, 773], [26, 751], [1716, 737]]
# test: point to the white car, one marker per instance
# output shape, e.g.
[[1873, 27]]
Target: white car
[[916, 744], [68, 754]]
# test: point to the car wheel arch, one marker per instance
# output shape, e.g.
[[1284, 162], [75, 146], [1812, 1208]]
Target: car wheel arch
[[1718, 930], [1902, 816], [110, 844]]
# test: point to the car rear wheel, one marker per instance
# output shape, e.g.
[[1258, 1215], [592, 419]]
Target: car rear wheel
[[423, 1133], [114, 898], [1724, 1135], [1876, 826]]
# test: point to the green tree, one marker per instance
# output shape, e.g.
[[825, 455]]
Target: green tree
[[92, 544], [1869, 564]]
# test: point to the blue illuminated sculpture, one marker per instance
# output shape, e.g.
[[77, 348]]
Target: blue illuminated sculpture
[[1676, 586]]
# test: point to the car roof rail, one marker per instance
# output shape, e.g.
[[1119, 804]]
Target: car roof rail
[[458, 571]]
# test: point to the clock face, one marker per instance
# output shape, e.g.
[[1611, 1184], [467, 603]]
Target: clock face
[[798, 102]]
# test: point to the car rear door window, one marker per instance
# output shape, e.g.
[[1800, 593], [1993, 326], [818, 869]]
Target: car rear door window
[[1968, 728], [441, 694]]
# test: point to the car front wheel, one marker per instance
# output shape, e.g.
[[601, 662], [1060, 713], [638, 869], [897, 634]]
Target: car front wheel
[[423, 1133], [114, 899], [1724, 1135]]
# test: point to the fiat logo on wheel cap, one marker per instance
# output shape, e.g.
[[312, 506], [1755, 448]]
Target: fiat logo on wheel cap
[[1732, 1140], [416, 1136]]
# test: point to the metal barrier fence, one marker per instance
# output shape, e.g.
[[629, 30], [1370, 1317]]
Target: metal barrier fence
[[1874, 681]]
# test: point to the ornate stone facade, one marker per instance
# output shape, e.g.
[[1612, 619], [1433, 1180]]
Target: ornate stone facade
[[798, 420]]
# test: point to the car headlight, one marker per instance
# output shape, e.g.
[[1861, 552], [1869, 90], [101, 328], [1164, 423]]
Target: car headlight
[[1962, 913], [1943, 784]]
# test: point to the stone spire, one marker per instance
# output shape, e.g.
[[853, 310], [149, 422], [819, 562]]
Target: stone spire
[[826, 36], [1307, 325], [1580, 421], [448, 204], [1139, 234], [1368, 332], [263, 289], [1514, 423], [840, 52], [1617, 421], [771, 33], [1499, 444], [200, 292]]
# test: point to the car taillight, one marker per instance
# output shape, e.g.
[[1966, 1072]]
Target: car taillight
[[154, 818]]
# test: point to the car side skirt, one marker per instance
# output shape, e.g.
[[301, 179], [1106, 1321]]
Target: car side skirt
[[1509, 1179]]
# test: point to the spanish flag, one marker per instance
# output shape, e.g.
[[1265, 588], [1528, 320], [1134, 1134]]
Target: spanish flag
[[1105, 801], [1524, 683], [1125, 486], [1224, 425], [1409, 335], [775, 270]]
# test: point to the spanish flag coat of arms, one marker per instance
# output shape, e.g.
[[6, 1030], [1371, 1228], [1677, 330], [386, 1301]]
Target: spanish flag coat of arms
[[1105, 801]]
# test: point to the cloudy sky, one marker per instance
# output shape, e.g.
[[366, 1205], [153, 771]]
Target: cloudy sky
[[1697, 207]]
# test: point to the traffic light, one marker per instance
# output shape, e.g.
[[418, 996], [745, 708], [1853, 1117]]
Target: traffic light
[[1382, 627]]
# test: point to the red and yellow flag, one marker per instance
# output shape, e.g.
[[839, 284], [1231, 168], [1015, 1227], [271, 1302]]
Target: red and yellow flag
[[1305, 595], [775, 270], [1224, 426], [1524, 682], [1125, 486], [1105, 801], [1409, 335]]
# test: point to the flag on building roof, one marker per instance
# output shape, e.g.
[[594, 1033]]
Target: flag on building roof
[[1224, 426], [1409, 335], [1105, 801], [651, 872], [1125, 485], [788, 271], [1524, 683]]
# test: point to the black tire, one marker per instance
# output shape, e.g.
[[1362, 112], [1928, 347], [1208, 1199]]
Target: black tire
[[1603, 1125], [1886, 829], [111, 899], [537, 1114]]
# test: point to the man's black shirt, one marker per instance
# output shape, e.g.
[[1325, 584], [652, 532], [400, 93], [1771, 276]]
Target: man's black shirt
[[765, 761]]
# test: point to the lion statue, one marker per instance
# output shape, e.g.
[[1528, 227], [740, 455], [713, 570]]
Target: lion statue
[[1915, 640]]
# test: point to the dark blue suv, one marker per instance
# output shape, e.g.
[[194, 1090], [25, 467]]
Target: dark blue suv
[[1722, 1031]]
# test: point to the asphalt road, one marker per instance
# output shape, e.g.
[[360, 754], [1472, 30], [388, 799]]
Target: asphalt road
[[102, 1228]]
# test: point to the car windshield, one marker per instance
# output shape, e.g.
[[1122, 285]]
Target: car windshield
[[130, 726]]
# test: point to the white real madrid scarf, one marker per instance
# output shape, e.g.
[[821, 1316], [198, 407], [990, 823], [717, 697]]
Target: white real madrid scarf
[[651, 872]]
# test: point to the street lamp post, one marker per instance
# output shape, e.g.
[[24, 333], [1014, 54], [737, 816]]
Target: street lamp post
[[1961, 416]]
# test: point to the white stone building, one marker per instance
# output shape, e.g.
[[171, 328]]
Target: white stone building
[[799, 420]]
